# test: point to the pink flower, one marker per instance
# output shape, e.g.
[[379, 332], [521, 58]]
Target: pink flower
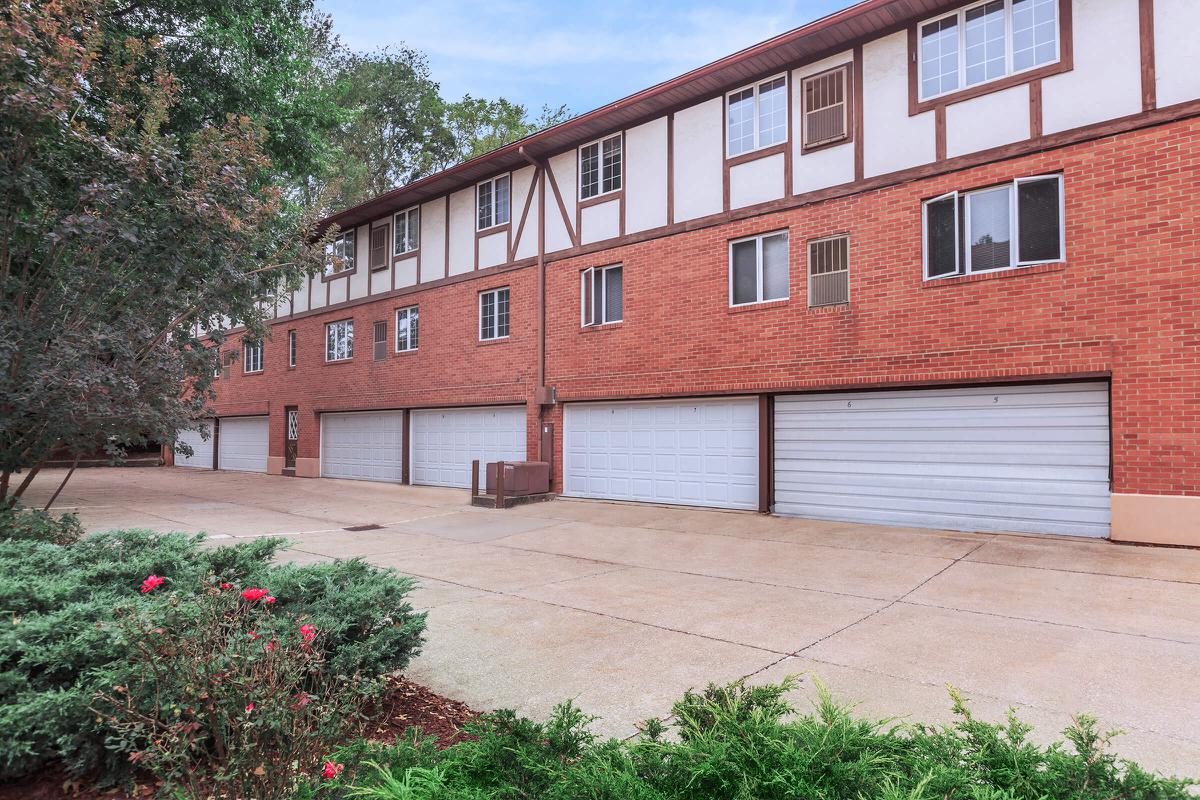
[[225, 586], [331, 770], [254, 594], [309, 632], [301, 700], [151, 583], [252, 635], [270, 646], [268, 599], [249, 707]]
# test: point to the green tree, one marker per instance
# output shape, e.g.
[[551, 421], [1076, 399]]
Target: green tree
[[396, 127], [121, 239]]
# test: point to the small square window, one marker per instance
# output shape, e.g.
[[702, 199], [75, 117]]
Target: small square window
[[406, 236], [758, 269], [600, 167], [493, 314], [252, 357], [492, 202], [600, 295], [756, 116], [407, 329], [829, 271], [339, 340], [339, 254]]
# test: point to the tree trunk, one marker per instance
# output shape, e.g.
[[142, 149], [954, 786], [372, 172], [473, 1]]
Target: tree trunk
[[58, 491], [33, 471]]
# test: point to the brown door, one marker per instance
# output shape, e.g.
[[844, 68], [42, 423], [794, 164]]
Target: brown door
[[292, 415]]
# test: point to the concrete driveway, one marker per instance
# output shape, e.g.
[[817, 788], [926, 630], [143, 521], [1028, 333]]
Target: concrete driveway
[[622, 607]]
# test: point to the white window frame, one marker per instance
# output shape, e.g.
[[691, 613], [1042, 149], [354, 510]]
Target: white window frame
[[407, 311], [493, 181], [352, 262], [962, 254], [585, 308], [961, 30], [496, 317], [257, 360], [758, 263], [620, 175], [410, 215], [756, 86], [293, 346], [349, 328]]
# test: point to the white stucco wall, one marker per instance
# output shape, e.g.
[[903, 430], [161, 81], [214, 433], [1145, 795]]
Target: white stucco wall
[[828, 166], [989, 120], [646, 176], [699, 161], [493, 249], [462, 231], [1106, 81], [357, 282], [433, 240], [406, 272], [892, 140], [300, 299], [317, 295], [563, 167], [526, 246], [1176, 68], [522, 183], [601, 221], [756, 181]]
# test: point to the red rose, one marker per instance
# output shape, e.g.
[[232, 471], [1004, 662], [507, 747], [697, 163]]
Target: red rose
[[252, 635], [268, 599], [309, 632], [249, 707], [331, 770], [253, 594], [151, 583], [225, 586]]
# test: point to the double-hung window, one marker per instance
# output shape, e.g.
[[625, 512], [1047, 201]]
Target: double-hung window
[[406, 231], [406, 329], [756, 116], [600, 167], [1014, 224], [492, 202], [252, 357], [339, 340], [339, 254], [493, 314], [986, 41], [600, 295], [758, 269]]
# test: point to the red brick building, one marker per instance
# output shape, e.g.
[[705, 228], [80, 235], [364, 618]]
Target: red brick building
[[917, 263]]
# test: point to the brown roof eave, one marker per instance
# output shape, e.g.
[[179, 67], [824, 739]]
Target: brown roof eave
[[828, 34]]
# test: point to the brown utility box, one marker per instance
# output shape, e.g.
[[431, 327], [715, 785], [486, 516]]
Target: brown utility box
[[521, 478]]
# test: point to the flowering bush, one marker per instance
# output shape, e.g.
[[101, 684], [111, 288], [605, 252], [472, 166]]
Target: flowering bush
[[215, 705], [59, 645]]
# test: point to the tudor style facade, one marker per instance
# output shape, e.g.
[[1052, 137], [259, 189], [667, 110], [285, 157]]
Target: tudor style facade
[[919, 263]]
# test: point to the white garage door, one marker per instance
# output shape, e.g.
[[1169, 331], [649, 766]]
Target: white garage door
[[202, 449], [690, 452], [367, 446], [242, 444], [445, 442], [1032, 459]]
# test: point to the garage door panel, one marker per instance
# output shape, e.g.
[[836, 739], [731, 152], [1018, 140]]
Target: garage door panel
[[446, 441], [242, 444], [366, 446], [1029, 458], [690, 452], [202, 448]]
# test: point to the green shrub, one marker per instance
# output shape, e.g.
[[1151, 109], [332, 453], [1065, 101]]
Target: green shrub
[[62, 645], [34, 524], [739, 743]]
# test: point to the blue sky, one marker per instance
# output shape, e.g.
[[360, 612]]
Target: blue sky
[[583, 53]]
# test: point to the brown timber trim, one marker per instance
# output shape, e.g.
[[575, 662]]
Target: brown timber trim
[[1146, 119], [848, 89], [216, 439], [405, 447], [1035, 109], [516, 240], [1146, 37], [766, 453], [446, 261], [939, 133], [755, 155], [572, 233], [859, 159], [1065, 63]]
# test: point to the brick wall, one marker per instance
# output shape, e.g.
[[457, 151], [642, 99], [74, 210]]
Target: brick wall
[[1125, 304]]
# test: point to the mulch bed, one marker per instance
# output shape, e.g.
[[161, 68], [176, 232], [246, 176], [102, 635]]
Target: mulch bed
[[405, 705]]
